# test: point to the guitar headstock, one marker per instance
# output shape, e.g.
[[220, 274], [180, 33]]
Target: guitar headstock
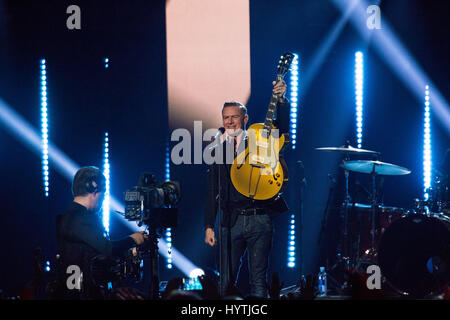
[[284, 64]]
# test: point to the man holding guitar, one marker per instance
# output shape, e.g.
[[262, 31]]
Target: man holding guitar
[[246, 222]]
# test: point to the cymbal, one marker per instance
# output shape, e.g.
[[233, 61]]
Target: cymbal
[[378, 167], [347, 149]]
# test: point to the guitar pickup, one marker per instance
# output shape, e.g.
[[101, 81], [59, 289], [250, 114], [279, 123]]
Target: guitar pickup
[[262, 144], [255, 159], [262, 161]]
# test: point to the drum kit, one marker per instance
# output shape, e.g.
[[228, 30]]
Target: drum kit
[[411, 246]]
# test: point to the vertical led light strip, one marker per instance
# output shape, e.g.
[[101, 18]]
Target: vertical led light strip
[[359, 82], [293, 131], [427, 164], [44, 127], [106, 173], [291, 243], [106, 60], [294, 100], [168, 230]]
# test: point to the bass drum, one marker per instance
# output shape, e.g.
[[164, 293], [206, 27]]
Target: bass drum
[[414, 255]]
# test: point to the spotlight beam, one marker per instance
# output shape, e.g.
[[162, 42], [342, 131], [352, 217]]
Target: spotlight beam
[[19, 128], [398, 58], [326, 45]]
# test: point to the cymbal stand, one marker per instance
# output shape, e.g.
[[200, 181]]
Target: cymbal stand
[[373, 175], [347, 200], [343, 260]]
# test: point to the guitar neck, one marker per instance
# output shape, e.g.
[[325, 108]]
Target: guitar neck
[[271, 110]]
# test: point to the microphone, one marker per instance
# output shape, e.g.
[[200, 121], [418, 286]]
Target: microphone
[[216, 138], [219, 133]]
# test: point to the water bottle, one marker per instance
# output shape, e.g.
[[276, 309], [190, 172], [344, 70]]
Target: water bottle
[[322, 282]]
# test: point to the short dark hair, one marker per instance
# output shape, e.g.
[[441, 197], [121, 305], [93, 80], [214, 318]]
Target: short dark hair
[[234, 103], [82, 182]]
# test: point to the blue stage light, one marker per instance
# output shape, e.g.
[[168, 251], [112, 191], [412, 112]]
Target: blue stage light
[[294, 99], [106, 173], [359, 83], [168, 230], [427, 159], [44, 128], [291, 243]]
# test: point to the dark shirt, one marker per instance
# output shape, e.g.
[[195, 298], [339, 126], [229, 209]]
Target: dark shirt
[[81, 237], [231, 200]]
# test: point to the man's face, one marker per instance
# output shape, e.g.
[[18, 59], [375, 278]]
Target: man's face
[[233, 120]]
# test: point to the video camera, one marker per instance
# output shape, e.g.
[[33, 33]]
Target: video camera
[[151, 204]]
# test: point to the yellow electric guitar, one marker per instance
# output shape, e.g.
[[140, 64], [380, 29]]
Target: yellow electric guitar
[[257, 172]]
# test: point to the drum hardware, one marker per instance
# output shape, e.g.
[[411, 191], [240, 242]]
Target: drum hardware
[[347, 200], [412, 247], [346, 150], [374, 168], [345, 257], [438, 194], [361, 225]]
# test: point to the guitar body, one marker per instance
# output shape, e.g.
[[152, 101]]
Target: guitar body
[[257, 172]]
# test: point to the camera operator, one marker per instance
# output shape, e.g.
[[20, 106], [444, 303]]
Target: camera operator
[[81, 236]]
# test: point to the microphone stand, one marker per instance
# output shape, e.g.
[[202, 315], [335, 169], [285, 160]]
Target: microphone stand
[[228, 238], [228, 227], [219, 208], [220, 232], [228, 235]]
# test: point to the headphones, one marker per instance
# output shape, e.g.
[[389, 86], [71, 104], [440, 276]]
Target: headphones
[[88, 180], [90, 187], [99, 186]]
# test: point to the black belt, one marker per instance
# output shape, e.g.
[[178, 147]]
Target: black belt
[[251, 211]]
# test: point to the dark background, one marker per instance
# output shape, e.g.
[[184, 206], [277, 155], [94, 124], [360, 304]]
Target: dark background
[[129, 100]]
